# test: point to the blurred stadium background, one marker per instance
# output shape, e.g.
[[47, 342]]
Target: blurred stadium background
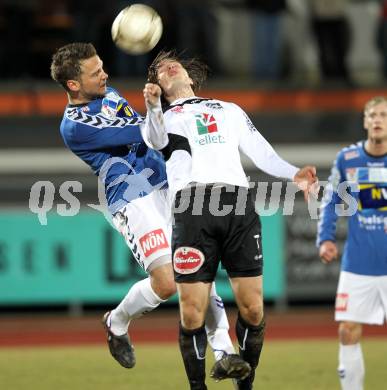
[[301, 69]]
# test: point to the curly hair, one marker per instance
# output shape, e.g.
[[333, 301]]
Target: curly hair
[[66, 62], [196, 69]]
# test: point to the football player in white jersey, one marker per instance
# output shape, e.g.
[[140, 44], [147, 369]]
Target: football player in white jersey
[[201, 148]]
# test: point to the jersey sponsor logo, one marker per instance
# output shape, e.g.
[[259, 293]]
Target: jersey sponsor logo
[[85, 108], [210, 139], [153, 241], [208, 130], [341, 302], [108, 112], [375, 164], [372, 175], [187, 260], [216, 106], [372, 222], [373, 196], [206, 123], [377, 175], [110, 105], [177, 109], [351, 175], [351, 155]]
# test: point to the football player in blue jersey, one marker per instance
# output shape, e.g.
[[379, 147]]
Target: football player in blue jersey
[[360, 170], [102, 129]]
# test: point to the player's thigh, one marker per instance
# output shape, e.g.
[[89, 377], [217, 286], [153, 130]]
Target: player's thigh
[[358, 299], [146, 230], [248, 294], [195, 249], [193, 301]]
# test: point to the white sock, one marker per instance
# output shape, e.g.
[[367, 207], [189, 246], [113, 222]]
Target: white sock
[[140, 300], [217, 326], [351, 367]]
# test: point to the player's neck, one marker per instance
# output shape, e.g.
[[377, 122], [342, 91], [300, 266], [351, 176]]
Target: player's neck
[[77, 99], [376, 147], [180, 93]]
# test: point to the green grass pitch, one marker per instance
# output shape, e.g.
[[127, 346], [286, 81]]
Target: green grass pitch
[[293, 365]]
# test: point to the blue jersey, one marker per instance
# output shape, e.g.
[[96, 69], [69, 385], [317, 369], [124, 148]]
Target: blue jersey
[[105, 134], [365, 250]]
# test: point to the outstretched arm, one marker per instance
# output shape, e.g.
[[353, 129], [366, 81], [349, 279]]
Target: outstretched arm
[[256, 147]]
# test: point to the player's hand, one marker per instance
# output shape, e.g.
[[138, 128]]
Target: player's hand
[[307, 181], [152, 93], [328, 251]]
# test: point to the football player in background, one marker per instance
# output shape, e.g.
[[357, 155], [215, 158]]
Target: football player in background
[[361, 171]]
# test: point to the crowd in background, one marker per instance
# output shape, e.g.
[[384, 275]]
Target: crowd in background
[[309, 41]]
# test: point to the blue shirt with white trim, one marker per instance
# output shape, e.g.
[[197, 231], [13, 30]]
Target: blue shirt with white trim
[[365, 179], [105, 134]]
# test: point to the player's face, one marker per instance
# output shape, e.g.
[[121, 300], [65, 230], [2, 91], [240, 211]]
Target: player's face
[[92, 83], [375, 122], [172, 76]]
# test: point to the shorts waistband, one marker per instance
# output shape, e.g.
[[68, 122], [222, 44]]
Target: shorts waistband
[[193, 187]]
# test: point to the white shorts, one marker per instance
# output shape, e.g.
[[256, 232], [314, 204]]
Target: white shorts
[[361, 298], [145, 224]]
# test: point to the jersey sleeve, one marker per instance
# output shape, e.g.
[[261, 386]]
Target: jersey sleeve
[[326, 230], [255, 146], [94, 131], [153, 129]]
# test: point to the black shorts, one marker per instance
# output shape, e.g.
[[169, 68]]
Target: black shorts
[[201, 240]]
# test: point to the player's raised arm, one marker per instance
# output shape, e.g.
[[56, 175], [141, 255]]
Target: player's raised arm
[[153, 130]]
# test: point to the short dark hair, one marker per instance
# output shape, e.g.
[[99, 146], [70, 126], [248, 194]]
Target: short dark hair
[[66, 62], [196, 69]]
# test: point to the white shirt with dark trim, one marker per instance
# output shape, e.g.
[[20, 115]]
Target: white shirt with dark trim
[[216, 132]]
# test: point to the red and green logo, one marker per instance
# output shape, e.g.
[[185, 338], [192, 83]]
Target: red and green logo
[[206, 123]]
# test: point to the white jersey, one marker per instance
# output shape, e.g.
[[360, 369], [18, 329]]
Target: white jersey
[[214, 133]]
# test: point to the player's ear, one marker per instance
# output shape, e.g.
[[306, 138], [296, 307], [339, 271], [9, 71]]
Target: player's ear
[[73, 85], [365, 121]]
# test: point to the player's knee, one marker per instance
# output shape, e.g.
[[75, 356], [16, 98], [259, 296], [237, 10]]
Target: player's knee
[[349, 333], [191, 320], [162, 281], [252, 313], [192, 316], [165, 288]]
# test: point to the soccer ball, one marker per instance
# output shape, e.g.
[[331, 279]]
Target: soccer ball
[[137, 29]]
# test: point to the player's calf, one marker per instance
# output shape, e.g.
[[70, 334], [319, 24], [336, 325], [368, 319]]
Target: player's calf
[[250, 340], [193, 344]]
